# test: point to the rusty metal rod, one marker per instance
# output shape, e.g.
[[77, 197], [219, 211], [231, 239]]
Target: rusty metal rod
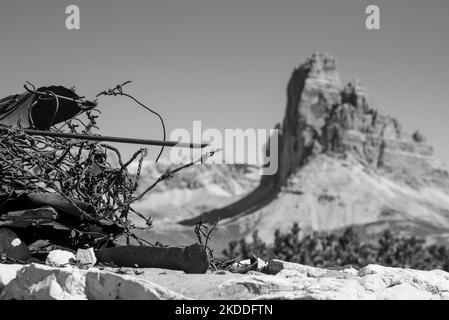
[[147, 142]]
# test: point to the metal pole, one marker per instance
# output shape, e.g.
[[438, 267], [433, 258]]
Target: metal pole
[[148, 142]]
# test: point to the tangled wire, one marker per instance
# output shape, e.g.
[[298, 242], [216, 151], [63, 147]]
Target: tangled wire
[[76, 169], [84, 170], [118, 91]]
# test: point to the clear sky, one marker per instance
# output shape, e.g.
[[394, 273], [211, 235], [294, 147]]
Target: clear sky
[[227, 62]]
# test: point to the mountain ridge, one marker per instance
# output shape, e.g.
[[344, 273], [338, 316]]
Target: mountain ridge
[[341, 163]]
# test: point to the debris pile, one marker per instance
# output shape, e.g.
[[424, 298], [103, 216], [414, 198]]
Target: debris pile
[[71, 194]]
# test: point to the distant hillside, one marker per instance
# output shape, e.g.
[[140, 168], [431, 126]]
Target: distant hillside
[[193, 190]]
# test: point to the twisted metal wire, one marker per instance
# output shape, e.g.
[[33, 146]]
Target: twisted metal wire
[[78, 169], [118, 91]]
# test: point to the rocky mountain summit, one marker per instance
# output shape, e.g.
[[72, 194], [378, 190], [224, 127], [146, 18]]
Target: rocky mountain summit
[[342, 162], [322, 116]]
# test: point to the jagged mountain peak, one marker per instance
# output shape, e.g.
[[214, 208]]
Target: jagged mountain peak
[[341, 162], [322, 65], [324, 116]]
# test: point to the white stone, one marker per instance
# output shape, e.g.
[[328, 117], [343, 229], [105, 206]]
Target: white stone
[[261, 264], [7, 273], [41, 282], [16, 242], [259, 284], [372, 282], [86, 257], [59, 258], [294, 281], [350, 270], [110, 286]]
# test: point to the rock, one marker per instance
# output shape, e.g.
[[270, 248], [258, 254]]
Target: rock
[[86, 257], [12, 249], [110, 286], [293, 281], [40, 282], [342, 119], [60, 258], [258, 285], [350, 270], [261, 264], [275, 266], [373, 282], [8, 272]]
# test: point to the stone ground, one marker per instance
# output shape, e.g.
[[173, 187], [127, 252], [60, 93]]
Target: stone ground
[[279, 280], [195, 286]]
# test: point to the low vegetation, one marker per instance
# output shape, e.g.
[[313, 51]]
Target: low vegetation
[[332, 250]]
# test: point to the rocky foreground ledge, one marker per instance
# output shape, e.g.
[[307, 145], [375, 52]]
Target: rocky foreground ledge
[[275, 280]]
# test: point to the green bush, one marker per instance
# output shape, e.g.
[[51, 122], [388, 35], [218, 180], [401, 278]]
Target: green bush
[[335, 250]]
